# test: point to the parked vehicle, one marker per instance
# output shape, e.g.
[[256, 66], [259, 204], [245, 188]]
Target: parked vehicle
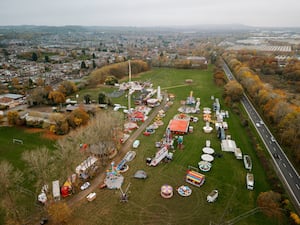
[[85, 186], [212, 196], [250, 181], [136, 144], [272, 139]]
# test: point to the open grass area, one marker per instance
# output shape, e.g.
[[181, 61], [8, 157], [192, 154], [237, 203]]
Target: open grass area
[[30, 138], [12, 152], [146, 206]]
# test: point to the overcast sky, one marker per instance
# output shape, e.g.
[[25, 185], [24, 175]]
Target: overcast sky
[[150, 12]]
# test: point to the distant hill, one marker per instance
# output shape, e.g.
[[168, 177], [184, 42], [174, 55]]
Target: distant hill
[[192, 28]]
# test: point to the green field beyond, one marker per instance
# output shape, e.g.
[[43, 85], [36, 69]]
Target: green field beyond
[[145, 206]]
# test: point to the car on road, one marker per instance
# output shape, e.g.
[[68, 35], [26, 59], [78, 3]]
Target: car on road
[[85, 186], [276, 156], [261, 122], [272, 139], [257, 124]]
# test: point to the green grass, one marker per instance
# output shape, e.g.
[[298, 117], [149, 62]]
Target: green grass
[[12, 152], [145, 206]]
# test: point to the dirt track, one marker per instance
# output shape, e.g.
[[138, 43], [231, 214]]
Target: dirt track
[[78, 197]]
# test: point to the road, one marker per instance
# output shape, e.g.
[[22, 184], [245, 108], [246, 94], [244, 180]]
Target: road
[[289, 175], [78, 197]]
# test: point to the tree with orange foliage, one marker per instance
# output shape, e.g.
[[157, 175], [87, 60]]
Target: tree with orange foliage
[[78, 117], [295, 217], [233, 90], [269, 202], [290, 131], [219, 78], [56, 97], [67, 87], [13, 117], [60, 212]]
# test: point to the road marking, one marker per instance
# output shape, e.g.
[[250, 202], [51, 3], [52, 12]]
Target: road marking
[[290, 175], [284, 165], [297, 186]]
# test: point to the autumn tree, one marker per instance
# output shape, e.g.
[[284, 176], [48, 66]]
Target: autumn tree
[[67, 87], [61, 124], [40, 82], [295, 217], [269, 202], [111, 80], [15, 83], [277, 108], [38, 96], [219, 78], [233, 90], [290, 131], [57, 97], [60, 212], [10, 179], [78, 117], [13, 117]]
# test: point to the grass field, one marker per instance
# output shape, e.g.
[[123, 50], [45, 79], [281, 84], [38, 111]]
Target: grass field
[[145, 206], [12, 152]]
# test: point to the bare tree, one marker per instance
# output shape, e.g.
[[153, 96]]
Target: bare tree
[[68, 154], [102, 135], [40, 165], [10, 179]]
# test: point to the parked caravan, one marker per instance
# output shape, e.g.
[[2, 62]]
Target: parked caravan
[[56, 190]]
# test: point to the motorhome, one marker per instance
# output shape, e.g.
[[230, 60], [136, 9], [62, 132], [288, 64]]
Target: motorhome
[[250, 181]]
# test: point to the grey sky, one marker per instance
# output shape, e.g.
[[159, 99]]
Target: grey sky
[[150, 12]]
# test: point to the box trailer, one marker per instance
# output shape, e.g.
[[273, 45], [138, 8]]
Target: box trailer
[[56, 190]]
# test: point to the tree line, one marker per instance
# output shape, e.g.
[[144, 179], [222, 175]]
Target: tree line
[[118, 70], [273, 203], [281, 114]]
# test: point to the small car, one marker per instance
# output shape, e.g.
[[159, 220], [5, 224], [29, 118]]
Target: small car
[[85, 186], [272, 139], [257, 124], [276, 156]]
